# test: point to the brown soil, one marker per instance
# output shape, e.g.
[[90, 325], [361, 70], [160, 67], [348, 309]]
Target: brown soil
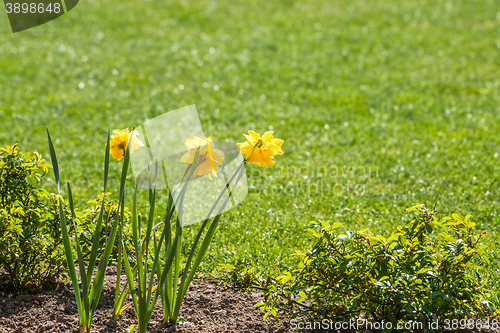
[[207, 307]]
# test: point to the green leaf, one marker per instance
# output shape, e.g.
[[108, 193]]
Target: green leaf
[[98, 227], [66, 240], [284, 278], [267, 314], [336, 225]]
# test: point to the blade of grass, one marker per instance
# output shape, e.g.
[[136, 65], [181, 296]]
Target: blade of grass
[[97, 286], [167, 298], [97, 231], [148, 234], [118, 295], [130, 279], [176, 268], [168, 263], [101, 271], [66, 240], [81, 263]]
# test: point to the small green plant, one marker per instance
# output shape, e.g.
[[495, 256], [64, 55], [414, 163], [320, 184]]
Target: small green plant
[[130, 329], [424, 271], [242, 275], [30, 238], [88, 297]]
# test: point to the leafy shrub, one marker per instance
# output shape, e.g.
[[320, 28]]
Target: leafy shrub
[[31, 251], [30, 235], [424, 271], [242, 275]]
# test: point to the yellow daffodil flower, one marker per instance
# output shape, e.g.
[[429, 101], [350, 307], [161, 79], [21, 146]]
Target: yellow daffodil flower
[[209, 158], [260, 150], [119, 142]]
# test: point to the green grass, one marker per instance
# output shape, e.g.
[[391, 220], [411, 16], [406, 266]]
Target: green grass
[[410, 89]]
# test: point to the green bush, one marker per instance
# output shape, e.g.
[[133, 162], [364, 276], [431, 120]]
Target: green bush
[[31, 251], [425, 271], [30, 236]]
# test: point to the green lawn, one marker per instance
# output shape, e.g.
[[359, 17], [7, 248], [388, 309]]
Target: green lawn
[[405, 92]]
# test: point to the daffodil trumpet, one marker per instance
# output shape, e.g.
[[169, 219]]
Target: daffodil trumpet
[[209, 158], [261, 150], [121, 140]]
